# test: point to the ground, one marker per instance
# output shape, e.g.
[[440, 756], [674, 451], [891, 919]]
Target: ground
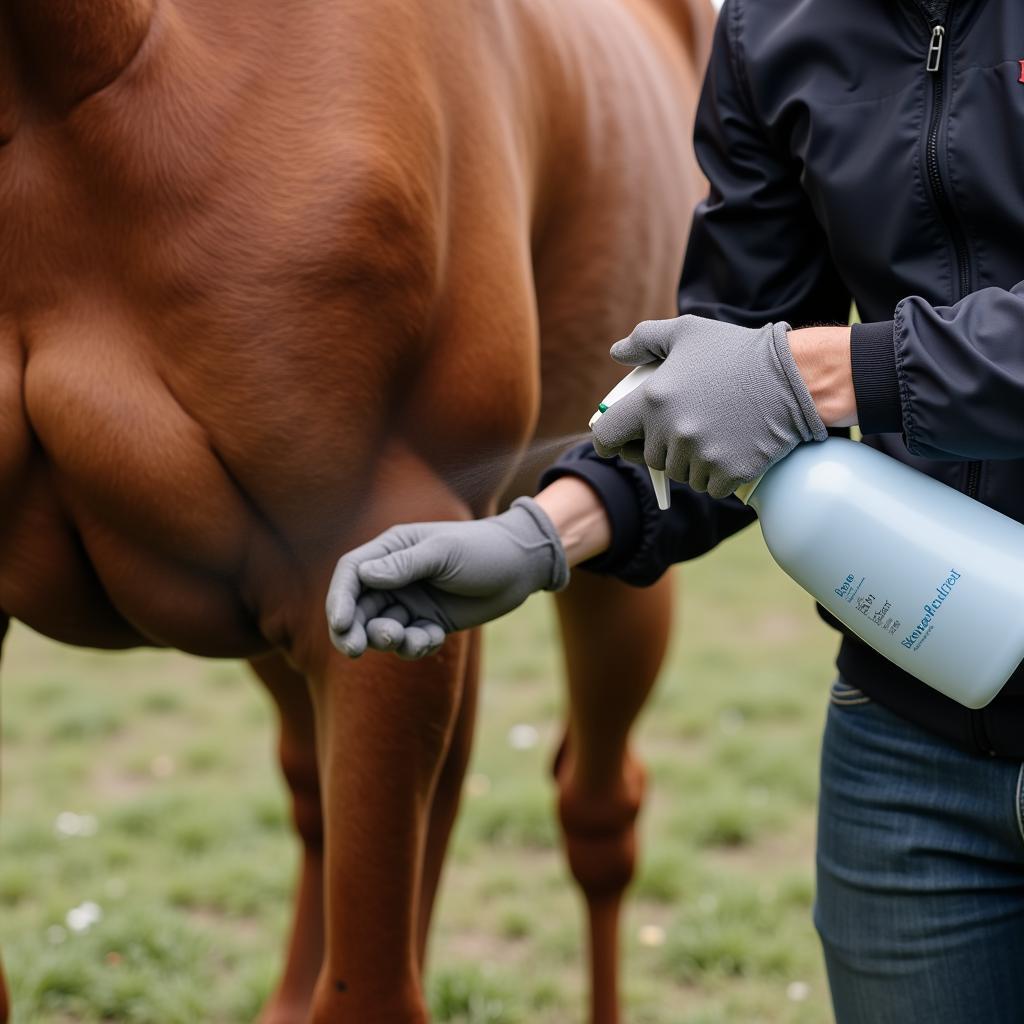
[[146, 863]]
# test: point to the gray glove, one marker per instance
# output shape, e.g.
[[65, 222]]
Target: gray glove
[[727, 403], [415, 583]]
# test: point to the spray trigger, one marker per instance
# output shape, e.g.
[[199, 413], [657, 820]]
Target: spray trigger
[[629, 383]]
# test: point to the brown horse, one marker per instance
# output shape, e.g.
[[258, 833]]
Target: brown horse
[[270, 273]]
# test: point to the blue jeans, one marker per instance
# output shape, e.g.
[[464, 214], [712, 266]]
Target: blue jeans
[[920, 901]]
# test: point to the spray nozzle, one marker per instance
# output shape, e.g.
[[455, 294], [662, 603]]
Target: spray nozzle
[[629, 383]]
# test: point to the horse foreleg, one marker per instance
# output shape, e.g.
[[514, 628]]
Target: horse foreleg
[[291, 1002], [449, 790], [600, 783], [384, 727]]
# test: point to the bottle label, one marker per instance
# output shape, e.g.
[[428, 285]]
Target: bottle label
[[917, 636], [879, 611]]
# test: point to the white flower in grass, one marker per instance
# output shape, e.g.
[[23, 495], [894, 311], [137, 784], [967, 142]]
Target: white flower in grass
[[84, 916], [523, 736], [651, 935], [80, 825], [797, 991]]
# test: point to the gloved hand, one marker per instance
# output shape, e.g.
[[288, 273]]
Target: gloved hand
[[415, 583], [727, 403]]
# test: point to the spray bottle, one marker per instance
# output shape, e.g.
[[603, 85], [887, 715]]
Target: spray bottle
[[930, 578], [628, 383]]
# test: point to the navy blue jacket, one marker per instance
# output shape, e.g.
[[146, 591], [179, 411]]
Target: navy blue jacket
[[874, 152]]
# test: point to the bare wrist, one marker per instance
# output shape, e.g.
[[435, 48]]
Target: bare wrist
[[579, 517], [822, 355]]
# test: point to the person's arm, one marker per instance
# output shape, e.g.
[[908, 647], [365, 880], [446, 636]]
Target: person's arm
[[641, 541], [949, 378], [412, 585], [407, 589], [823, 357], [578, 516]]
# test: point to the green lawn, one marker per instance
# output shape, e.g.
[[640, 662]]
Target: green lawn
[[166, 766]]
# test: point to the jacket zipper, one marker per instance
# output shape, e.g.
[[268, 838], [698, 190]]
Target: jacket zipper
[[933, 66], [973, 479]]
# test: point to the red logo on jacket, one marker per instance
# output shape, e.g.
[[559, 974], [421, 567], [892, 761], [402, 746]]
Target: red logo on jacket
[[1021, 63]]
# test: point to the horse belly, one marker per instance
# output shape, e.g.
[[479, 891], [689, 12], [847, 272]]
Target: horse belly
[[121, 521]]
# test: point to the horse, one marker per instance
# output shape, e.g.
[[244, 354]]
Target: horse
[[270, 274]]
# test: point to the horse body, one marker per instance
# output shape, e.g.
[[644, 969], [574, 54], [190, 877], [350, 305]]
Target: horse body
[[269, 276], [213, 295]]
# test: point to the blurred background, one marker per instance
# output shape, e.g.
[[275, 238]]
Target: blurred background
[[146, 858]]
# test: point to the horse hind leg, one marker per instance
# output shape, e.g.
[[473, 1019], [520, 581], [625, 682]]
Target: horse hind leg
[[297, 753], [600, 782]]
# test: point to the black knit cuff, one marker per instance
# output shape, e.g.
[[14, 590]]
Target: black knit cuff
[[621, 505], [875, 382]]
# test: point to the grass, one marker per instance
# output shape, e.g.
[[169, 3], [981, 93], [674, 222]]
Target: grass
[[167, 766]]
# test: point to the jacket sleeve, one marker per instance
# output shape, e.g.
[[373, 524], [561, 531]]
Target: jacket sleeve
[[646, 540], [755, 255], [951, 378]]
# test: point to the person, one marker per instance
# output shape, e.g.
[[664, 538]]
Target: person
[[872, 152]]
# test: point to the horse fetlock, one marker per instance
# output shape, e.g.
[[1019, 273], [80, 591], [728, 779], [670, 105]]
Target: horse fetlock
[[599, 829]]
